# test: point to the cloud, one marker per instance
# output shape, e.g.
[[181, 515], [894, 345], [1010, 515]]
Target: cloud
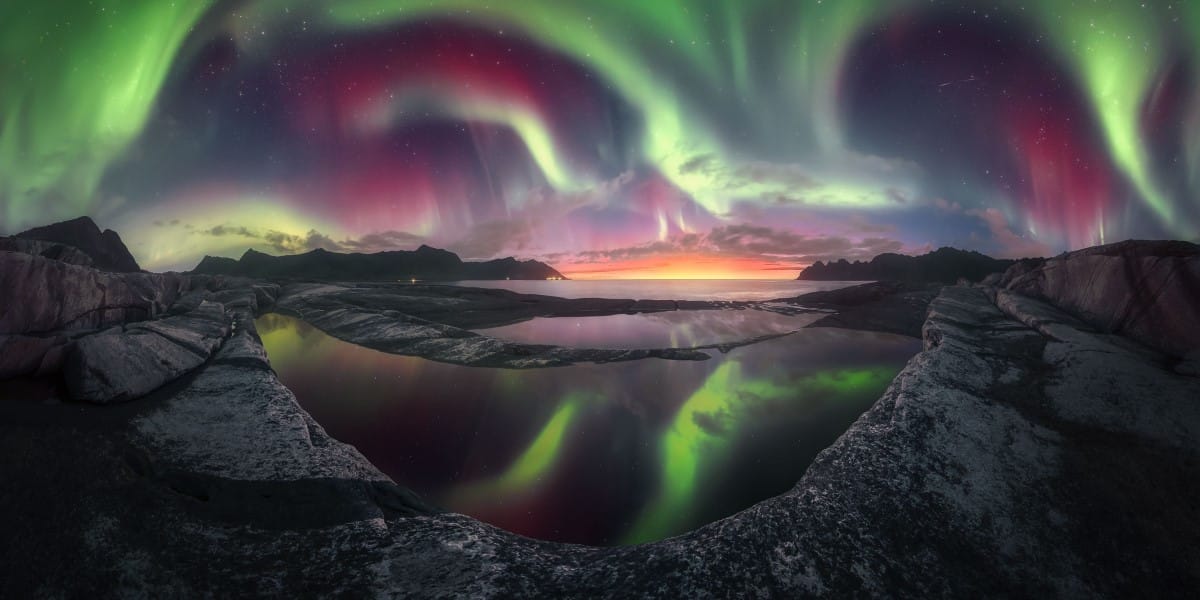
[[289, 243], [1007, 243], [382, 241], [221, 230], [488, 239], [545, 205], [788, 249]]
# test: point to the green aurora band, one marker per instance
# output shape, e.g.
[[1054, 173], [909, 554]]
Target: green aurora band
[[77, 92], [80, 84]]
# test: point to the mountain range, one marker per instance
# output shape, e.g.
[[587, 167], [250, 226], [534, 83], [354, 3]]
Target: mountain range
[[105, 248], [425, 264]]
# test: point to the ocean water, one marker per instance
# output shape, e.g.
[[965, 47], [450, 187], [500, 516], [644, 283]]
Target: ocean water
[[599, 454], [667, 289]]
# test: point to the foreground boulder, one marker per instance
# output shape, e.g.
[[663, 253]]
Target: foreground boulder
[[126, 363], [1146, 290], [41, 295]]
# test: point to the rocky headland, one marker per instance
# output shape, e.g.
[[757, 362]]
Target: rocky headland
[[1044, 443], [944, 265]]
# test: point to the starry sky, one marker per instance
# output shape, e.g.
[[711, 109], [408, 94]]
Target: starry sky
[[610, 138]]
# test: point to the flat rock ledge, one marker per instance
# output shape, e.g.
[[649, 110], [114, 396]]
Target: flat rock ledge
[[364, 316], [1021, 454]]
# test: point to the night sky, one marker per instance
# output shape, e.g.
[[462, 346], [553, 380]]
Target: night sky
[[608, 138]]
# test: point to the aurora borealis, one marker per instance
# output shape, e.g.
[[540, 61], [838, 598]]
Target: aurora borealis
[[610, 139]]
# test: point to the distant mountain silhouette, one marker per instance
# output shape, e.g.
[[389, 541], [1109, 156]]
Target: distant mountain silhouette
[[105, 248], [944, 265], [424, 263]]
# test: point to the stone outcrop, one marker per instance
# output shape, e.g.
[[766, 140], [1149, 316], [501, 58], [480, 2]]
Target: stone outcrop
[[1145, 290], [117, 335], [47, 301], [1027, 451], [105, 248], [984, 469], [367, 316], [39, 295], [53, 251], [125, 363], [888, 306]]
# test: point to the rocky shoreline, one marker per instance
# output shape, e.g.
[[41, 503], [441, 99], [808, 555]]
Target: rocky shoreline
[[1035, 447]]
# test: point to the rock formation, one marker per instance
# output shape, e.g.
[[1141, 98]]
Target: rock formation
[[420, 321], [1148, 291], [424, 263], [889, 306], [105, 248], [944, 265], [1034, 448]]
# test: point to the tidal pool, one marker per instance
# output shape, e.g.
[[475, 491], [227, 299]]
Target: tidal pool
[[598, 454], [668, 329]]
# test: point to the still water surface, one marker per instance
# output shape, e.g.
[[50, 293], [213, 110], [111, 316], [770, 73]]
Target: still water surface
[[670, 329], [597, 454]]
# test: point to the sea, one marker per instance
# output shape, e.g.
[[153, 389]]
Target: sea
[[666, 289]]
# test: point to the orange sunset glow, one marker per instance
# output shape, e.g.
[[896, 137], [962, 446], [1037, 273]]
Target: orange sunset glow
[[683, 266]]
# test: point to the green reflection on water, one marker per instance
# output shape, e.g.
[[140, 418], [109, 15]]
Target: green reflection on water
[[535, 463], [706, 424], [742, 405]]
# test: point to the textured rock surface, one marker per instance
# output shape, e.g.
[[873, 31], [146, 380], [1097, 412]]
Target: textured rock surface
[[471, 308], [1028, 451], [40, 295], [890, 306], [31, 354], [53, 251], [125, 363], [983, 470], [364, 315], [1145, 290]]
